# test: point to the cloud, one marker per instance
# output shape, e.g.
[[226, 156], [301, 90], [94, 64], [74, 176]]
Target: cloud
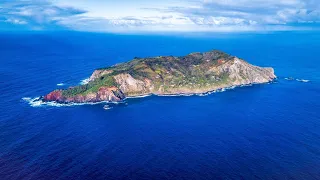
[[183, 15], [35, 14], [15, 21], [251, 12]]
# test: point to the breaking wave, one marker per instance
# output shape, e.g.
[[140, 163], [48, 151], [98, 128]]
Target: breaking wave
[[294, 79], [107, 107], [173, 95], [61, 84], [303, 80], [289, 78], [85, 81], [38, 102], [142, 96]]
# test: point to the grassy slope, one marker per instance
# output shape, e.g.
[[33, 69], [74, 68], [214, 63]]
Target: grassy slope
[[168, 72]]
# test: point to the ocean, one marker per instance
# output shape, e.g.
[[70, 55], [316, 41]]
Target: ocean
[[267, 131]]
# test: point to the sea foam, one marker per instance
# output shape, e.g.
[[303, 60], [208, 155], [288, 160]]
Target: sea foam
[[142, 96], [303, 80], [38, 102], [294, 79], [85, 81], [289, 78]]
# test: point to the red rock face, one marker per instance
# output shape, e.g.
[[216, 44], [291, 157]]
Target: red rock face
[[221, 61], [54, 96]]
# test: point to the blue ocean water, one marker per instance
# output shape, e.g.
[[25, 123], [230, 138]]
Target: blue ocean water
[[269, 131]]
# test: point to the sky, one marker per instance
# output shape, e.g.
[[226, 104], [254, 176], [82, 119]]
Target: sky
[[122, 16]]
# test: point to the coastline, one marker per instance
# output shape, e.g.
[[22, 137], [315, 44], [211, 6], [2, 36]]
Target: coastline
[[195, 73], [222, 89], [39, 102]]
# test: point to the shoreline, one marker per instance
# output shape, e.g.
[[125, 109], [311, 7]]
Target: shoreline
[[199, 93], [38, 101]]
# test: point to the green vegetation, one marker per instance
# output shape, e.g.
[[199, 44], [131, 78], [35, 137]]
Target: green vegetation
[[166, 72], [92, 86]]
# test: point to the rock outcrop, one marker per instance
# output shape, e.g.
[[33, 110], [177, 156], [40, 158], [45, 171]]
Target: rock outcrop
[[103, 94], [194, 73]]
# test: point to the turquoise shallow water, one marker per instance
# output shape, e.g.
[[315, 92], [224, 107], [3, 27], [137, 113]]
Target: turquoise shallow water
[[269, 131]]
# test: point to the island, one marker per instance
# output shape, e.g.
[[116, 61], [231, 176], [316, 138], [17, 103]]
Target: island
[[194, 73]]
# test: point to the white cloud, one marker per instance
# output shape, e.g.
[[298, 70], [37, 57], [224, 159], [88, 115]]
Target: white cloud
[[35, 14], [165, 15], [15, 21], [268, 11]]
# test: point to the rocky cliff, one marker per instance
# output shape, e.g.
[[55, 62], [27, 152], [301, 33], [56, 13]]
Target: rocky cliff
[[194, 73]]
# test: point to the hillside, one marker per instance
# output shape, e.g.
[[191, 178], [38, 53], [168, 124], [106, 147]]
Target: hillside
[[190, 74]]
